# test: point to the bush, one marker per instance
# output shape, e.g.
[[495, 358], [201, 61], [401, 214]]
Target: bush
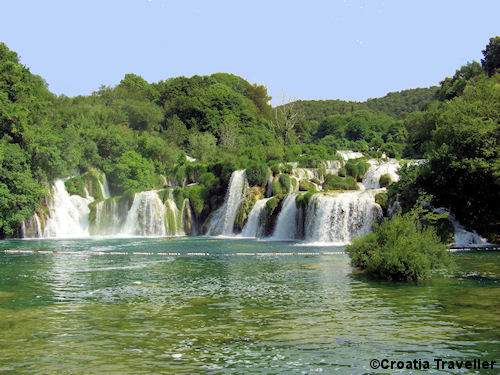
[[302, 200], [382, 200], [287, 168], [333, 182], [271, 205], [342, 172], [305, 185], [276, 169], [385, 180], [400, 249], [276, 188], [352, 169], [257, 174], [179, 196], [198, 198], [285, 183]]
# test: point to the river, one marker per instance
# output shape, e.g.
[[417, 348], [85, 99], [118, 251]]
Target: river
[[223, 313]]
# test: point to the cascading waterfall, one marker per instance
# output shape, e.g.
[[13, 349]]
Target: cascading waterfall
[[340, 218], [173, 219], [68, 214], [222, 221], [286, 224], [146, 216], [378, 168], [346, 155], [104, 187], [463, 237], [187, 219], [252, 227]]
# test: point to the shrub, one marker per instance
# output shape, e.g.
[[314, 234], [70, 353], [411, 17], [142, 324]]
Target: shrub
[[305, 185], [352, 169], [363, 166], [276, 169], [276, 188], [285, 183], [257, 174], [179, 196], [198, 198], [302, 200], [271, 205], [209, 180], [333, 182], [342, 172], [400, 249], [385, 180], [382, 200], [287, 168]]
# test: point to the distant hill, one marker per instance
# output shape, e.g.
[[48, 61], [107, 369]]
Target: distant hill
[[395, 104]]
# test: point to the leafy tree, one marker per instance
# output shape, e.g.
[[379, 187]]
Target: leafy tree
[[491, 61]]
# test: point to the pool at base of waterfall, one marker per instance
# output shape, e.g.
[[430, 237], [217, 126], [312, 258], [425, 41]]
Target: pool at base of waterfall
[[77, 312]]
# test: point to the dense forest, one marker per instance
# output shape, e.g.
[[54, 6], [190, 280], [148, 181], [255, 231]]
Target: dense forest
[[139, 132]]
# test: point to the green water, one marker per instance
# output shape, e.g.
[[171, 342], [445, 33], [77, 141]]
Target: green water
[[90, 314]]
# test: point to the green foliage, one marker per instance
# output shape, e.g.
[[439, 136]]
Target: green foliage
[[285, 183], [342, 172], [400, 249], [305, 185], [198, 197], [385, 180], [333, 182], [20, 192], [491, 61], [356, 169], [382, 199], [271, 205], [130, 173], [302, 200], [257, 174], [276, 188], [179, 195]]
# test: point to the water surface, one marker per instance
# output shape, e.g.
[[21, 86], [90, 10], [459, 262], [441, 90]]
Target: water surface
[[90, 314]]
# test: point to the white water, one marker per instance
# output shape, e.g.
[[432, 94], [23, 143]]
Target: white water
[[346, 155], [104, 187], [463, 237], [378, 168], [286, 223], [340, 218], [146, 216], [252, 227], [68, 214], [223, 219]]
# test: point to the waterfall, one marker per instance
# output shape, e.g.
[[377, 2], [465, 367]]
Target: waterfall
[[346, 155], [104, 187], [378, 168], [340, 218], [463, 237], [269, 190], [68, 214], [222, 221], [252, 227], [32, 227], [286, 224], [173, 219], [146, 215], [110, 215]]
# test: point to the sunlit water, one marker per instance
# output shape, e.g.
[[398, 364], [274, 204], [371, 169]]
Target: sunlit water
[[89, 314]]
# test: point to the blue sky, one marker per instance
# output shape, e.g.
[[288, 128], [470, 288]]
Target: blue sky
[[338, 49]]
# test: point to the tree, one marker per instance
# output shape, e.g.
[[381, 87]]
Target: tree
[[491, 61], [286, 117], [202, 146]]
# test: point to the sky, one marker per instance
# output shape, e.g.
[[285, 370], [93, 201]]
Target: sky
[[337, 49]]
